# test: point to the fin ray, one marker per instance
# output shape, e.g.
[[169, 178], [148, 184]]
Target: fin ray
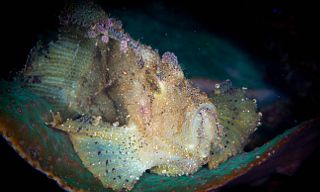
[[239, 118], [111, 153]]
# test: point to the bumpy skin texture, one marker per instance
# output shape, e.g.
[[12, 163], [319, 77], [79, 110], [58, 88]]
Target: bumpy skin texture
[[238, 117], [126, 109]]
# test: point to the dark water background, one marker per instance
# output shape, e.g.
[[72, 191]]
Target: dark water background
[[278, 43]]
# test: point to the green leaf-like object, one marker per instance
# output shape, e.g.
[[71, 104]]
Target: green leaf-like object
[[22, 123]]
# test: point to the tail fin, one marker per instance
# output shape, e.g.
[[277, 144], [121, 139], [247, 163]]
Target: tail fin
[[71, 72], [57, 70]]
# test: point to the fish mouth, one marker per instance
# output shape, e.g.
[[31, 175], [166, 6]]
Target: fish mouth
[[203, 130]]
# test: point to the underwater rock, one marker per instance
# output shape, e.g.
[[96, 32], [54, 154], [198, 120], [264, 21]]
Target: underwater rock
[[125, 109]]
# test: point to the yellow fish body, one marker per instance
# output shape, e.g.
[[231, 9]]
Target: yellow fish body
[[128, 110]]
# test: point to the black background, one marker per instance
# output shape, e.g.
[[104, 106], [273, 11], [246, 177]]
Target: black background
[[269, 30]]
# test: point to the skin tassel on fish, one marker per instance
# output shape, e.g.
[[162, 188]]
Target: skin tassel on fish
[[126, 109]]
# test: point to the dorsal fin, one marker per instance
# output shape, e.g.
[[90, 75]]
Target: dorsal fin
[[82, 13], [239, 117]]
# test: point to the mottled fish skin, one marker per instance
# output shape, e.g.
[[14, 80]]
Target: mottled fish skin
[[238, 116], [126, 109]]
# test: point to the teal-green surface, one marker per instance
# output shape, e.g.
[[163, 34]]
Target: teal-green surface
[[53, 150]]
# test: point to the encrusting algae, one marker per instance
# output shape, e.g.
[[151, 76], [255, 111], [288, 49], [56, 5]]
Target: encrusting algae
[[127, 110]]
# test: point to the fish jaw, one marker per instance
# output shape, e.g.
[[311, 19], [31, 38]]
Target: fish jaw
[[203, 130], [188, 151]]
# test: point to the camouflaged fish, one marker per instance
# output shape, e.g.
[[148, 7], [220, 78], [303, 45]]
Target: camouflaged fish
[[127, 110]]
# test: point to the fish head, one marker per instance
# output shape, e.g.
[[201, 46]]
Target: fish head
[[177, 120]]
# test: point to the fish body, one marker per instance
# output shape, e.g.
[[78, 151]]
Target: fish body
[[126, 109]]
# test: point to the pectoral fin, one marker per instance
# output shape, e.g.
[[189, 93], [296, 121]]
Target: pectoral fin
[[239, 117], [112, 154]]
